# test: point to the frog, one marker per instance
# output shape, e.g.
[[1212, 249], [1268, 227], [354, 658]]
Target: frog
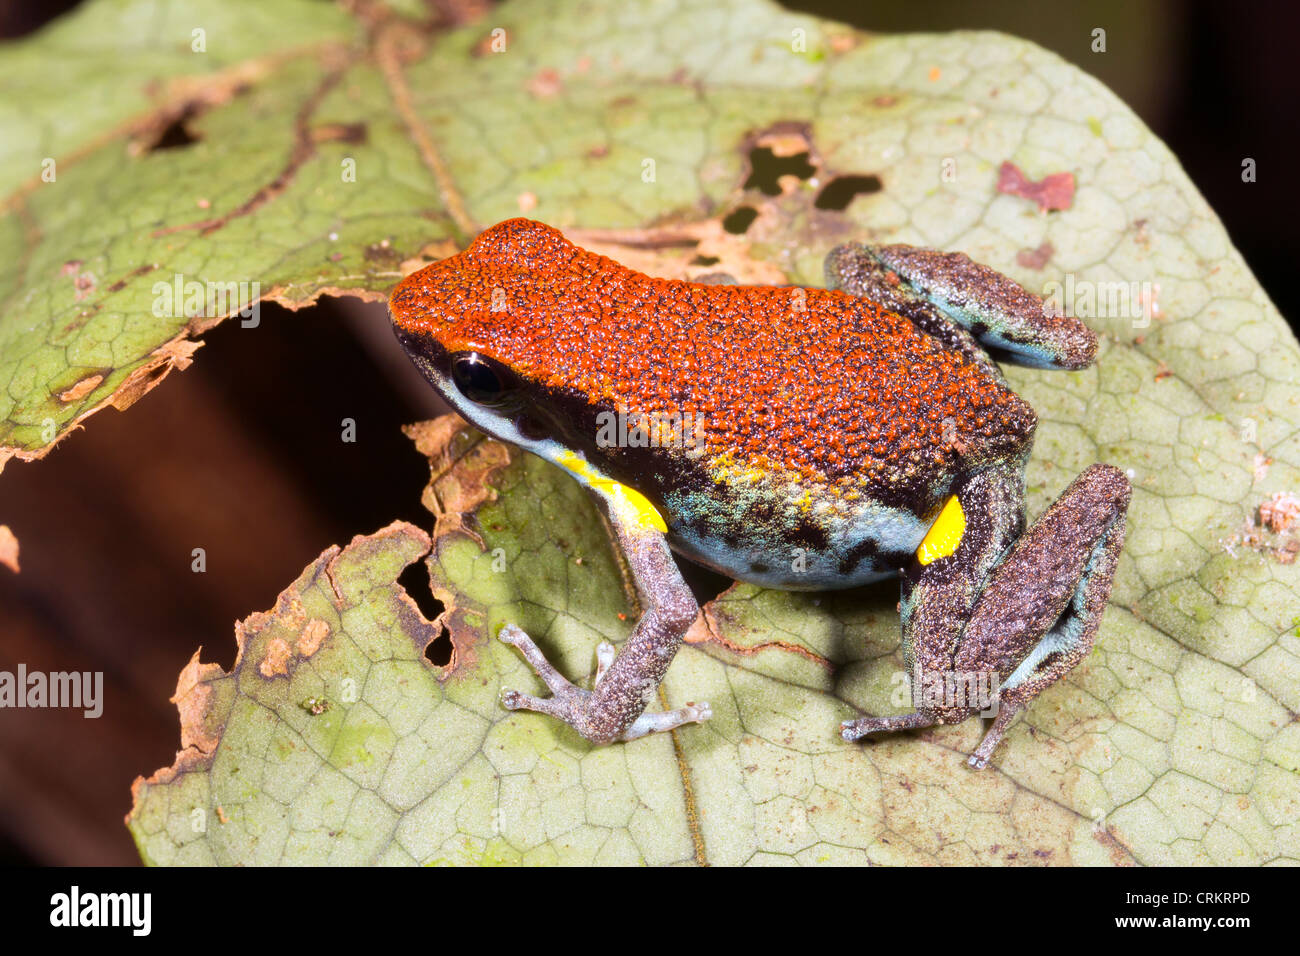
[[798, 438]]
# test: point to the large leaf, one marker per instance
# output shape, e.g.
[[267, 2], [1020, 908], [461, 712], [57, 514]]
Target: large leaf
[[1176, 741], [333, 740]]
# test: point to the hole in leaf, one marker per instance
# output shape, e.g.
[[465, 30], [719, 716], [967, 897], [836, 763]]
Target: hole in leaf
[[766, 168], [842, 190], [739, 220], [415, 580], [438, 651], [705, 261], [177, 134]]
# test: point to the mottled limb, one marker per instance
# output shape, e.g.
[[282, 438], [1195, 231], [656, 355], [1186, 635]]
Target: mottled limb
[[625, 682], [1014, 614], [1039, 616], [979, 759], [859, 728], [944, 293], [937, 599], [852, 268]]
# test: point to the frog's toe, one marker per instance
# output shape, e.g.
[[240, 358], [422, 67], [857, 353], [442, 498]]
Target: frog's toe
[[513, 634], [692, 713], [613, 709], [559, 685], [514, 700], [852, 730]]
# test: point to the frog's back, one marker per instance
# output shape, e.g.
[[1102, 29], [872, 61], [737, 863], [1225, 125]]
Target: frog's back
[[810, 404]]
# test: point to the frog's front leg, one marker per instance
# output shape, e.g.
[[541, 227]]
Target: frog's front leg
[[625, 683], [1001, 610]]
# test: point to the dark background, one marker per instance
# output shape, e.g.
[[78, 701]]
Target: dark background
[[241, 455]]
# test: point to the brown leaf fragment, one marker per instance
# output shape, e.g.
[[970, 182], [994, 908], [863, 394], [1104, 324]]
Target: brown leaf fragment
[[1271, 530], [80, 390], [193, 700], [292, 612], [276, 661], [85, 285], [1280, 511], [312, 636], [786, 139], [843, 43], [8, 548], [176, 354], [545, 83], [454, 492]]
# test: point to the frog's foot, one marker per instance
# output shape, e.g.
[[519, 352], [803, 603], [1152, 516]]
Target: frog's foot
[[859, 728], [599, 717], [979, 758]]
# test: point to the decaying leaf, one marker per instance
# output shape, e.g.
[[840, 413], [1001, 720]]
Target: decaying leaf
[[1176, 741], [442, 773]]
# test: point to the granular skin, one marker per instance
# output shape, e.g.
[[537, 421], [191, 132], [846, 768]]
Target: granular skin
[[796, 383]]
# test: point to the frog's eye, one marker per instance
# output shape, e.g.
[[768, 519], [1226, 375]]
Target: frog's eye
[[478, 380]]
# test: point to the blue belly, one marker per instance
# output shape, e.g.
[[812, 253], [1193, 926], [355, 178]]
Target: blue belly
[[825, 554]]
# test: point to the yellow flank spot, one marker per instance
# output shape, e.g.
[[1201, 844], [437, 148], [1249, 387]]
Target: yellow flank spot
[[629, 504], [945, 534], [633, 506]]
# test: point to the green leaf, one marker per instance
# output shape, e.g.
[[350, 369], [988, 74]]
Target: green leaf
[[1176, 741], [334, 740]]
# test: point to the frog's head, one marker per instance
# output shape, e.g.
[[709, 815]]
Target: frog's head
[[499, 332]]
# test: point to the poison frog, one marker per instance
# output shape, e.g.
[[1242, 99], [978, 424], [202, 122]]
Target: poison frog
[[797, 438]]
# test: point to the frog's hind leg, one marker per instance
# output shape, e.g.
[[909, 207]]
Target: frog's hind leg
[[938, 593], [982, 601], [625, 682], [931, 288], [1039, 613], [855, 269]]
